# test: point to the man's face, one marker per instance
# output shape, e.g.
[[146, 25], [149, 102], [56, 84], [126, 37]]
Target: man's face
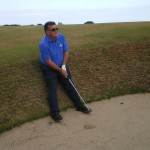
[[52, 31]]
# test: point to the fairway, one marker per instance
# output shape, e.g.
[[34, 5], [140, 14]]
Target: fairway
[[106, 60]]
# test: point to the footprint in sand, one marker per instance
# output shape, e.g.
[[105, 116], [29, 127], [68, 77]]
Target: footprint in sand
[[89, 126]]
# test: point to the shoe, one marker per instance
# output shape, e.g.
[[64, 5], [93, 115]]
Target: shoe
[[56, 116], [84, 109]]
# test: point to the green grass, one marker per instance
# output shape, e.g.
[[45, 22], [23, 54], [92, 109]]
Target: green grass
[[106, 60]]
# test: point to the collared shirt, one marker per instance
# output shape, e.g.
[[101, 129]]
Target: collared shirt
[[53, 49]]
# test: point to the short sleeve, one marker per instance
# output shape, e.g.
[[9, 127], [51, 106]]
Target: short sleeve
[[44, 52]]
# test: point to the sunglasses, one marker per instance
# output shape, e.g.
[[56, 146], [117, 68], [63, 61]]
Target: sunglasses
[[54, 29]]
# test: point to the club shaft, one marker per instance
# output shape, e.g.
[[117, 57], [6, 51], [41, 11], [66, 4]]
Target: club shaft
[[78, 93]]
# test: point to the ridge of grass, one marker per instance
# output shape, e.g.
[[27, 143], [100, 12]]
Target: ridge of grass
[[105, 96]]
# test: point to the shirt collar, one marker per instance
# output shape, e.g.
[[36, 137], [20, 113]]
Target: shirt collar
[[50, 40]]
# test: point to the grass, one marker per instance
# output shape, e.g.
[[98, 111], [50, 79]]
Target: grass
[[106, 60]]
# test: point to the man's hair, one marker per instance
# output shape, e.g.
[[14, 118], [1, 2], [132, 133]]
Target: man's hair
[[49, 23]]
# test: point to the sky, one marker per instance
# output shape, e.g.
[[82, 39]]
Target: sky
[[27, 12]]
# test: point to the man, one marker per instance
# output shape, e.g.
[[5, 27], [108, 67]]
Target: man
[[54, 56]]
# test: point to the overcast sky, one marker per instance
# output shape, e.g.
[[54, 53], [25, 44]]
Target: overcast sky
[[25, 12]]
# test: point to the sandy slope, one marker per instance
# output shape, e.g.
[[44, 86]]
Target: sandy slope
[[122, 123]]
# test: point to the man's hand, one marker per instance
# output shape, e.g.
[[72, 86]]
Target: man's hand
[[64, 73], [63, 67], [55, 67]]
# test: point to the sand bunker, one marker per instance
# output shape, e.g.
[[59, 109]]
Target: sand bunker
[[122, 123]]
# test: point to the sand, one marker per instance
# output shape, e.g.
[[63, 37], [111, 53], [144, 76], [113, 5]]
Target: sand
[[121, 123]]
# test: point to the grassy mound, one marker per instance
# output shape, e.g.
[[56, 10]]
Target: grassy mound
[[106, 60]]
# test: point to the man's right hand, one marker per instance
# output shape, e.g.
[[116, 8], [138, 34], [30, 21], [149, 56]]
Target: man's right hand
[[55, 67], [63, 73]]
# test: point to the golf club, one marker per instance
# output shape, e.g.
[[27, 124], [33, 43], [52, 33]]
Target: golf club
[[79, 95]]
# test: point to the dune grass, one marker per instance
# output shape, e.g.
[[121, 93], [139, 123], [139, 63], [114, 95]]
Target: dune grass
[[106, 60]]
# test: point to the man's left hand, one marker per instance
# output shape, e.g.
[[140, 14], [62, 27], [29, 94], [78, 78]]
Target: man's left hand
[[63, 67]]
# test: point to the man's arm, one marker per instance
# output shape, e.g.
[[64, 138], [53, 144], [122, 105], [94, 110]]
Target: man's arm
[[55, 67]]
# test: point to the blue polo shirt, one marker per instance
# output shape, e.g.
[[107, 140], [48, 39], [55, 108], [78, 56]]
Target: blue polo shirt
[[53, 49]]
